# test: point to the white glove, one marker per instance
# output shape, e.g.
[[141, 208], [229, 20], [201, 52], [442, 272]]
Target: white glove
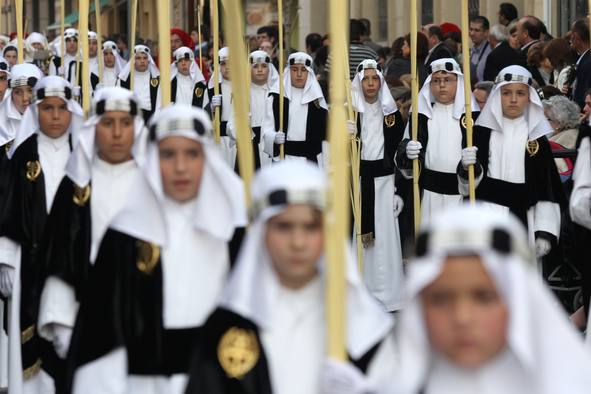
[[398, 205], [279, 138], [61, 339], [60, 71], [543, 247], [6, 280], [216, 102], [413, 148], [343, 378], [76, 91], [351, 127], [469, 156]]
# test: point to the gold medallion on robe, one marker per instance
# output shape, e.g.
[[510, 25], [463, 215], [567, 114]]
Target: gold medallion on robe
[[33, 170], [81, 195], [464, 121], [532, 147], [154, 82], [8, 145], [148, 255], [238, 352], [198, 92], [390, 120]]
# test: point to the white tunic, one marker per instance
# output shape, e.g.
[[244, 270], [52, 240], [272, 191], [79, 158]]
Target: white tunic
[[372, 136], [10, 120], [184, 89], [109, 77], [443, 153], [506, 163], [502, 375], [141, 87]]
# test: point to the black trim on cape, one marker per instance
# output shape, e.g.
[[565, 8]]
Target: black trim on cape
[[153, 95], [23, 217], [197, 99], [316, 132], [542, 182], [369, 170]]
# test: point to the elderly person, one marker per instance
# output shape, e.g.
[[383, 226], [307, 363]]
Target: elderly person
[[563, 116]]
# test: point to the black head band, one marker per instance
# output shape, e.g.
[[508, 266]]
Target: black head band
[[174, 124], [41, 94], [101, 107]]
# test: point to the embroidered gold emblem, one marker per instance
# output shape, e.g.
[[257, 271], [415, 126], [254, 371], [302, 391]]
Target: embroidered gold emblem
[[32, 370], [148, 255], [154, 82], [8, 145], [367, 240], [81, 195], [33, 170], [464, 122], [27, 334], [390, 120], [198, 92], [533, 147], [238, 352]]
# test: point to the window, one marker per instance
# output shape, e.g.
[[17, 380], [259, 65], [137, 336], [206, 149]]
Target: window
[[568, 12]]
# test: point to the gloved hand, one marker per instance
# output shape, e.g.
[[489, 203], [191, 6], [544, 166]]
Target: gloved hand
[[543, 247], [342, 378], [76, 91], [62, 336], [351, 127], [279, 138], [216, 102], [469, 156], [6, 280], [61, 71], [398, 205], [413, 149]]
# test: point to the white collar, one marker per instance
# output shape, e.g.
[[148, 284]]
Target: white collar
[[56, 143]]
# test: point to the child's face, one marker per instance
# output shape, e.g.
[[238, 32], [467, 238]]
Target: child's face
[[443, 87], [514, 99], [466, 318]]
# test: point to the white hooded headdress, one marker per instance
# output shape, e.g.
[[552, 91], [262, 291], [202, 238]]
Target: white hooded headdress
[[426, 98], [491, 115], [258, 57], [186, 53], [254, 285], [539, 335], [154, 72], [79, 166], [51, 86], [385, 97], [312, 89], [219, 207]]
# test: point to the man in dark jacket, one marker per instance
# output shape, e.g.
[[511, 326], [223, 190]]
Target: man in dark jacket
[[502, 54]]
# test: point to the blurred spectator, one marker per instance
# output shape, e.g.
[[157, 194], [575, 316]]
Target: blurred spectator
[[579, 41], [479, 30], [507, 13], [366, 35], [513, 40], [563, 116], [437, 50], [399, 66], [539, 65], [313, 44], [481, 92], [548, 91], [562, 58], [502, 55]]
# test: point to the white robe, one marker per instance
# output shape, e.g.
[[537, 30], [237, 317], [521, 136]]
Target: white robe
[[382, 262], [443, 153], [295, 340], [296, 126], [10, 119], [110, 186], [109, 77], [227, 145], [184, 89], [506, 163], [67, 60], [53, 155], [580, 199], [194, 270]]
